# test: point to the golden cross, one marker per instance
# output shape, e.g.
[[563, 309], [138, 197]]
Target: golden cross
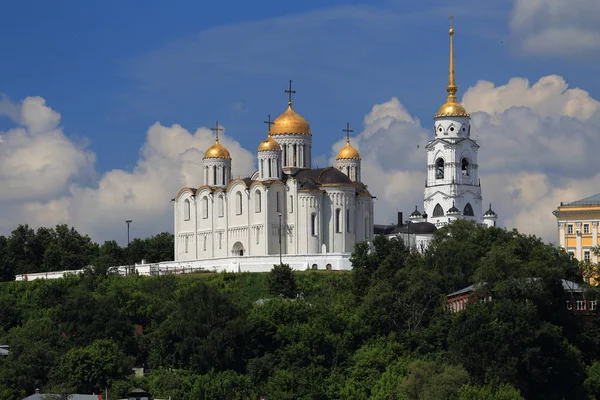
[[290, 92], [347, 130], [270, 123], [217, 129]]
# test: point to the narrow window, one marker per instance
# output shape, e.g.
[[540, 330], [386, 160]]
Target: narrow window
[[586, 256], [468, 210], [277, 201], [291, 204], [465, 167], [270, 169], [205, 240], [186, 210], [223, 170], [262, 167], [187, 243], [580, 305], [439, 169], [221, 206], [438, 211], [239, 203], [205, 207], [214, 174], [294, 155], [570, 229], [313, 224], [337, 220], [348, 221], [586, 228], [220, 239], [258, 201]]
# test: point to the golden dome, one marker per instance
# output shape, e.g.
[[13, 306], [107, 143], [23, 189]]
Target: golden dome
[[269, 144], [217, 151], [452, 109], [348, 152], [290, 123]]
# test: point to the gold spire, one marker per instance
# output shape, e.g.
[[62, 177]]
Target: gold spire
[[290, 122], [217, 150], [348, 152], [451, 108]]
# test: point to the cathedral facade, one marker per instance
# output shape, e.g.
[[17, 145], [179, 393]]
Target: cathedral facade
[[285, 208]]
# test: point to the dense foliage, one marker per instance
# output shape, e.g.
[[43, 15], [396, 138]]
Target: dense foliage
[[61, 248], [379, 332]]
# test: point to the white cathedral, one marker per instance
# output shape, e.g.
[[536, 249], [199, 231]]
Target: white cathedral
[[308, 218]]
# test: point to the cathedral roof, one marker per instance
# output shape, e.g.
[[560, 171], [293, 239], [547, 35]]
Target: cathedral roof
[[217, 150], [453, 210], [451, 108], [490, 212], [290, 123], [269, 144], [348, 152], [415, 213], [324, 176]]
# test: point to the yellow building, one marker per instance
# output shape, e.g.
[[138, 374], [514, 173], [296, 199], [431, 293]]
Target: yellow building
[[578, 227]]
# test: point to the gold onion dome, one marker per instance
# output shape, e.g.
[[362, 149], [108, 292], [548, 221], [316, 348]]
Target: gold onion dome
[[217, 150], [348, 152], [290, 123], [451, 108], [269, 144]]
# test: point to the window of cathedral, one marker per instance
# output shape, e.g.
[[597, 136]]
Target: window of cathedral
[[187, 243], [205, 207], [570, 229], [239, 208], [338, 228], [221, 206], [347, 220], [270, 169], [439, 169], [313, 224], [277, 201], [262, 168], [214, 174], [291, 204], [205, 240], [186, 210], [220, 239], [586, 228], [468, 210], [451, 129], [465, 167], [315, 266], [257, 201], [438, 211]]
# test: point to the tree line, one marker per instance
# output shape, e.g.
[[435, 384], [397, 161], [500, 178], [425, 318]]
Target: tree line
[[380, 331], [61, 248]]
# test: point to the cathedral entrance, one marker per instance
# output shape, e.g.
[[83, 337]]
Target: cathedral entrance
[[237, 249]]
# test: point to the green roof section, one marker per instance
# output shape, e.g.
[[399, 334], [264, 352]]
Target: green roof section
[[588, 201]]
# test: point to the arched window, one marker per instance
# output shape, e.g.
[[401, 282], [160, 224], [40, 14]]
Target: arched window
[[221, 206], [438, 211], [214, 174], [465, 167], [186, 210], [262, 167], [239, 209], [313, 224], [224, 173], [468, 210], [205, 207], [439, 169], [257, 201], [277, 201], [291, 204], [348, 220], [270, 169], [338, 227]]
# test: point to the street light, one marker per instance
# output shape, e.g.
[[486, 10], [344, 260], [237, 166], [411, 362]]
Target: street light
[[280, 262], [128, 221]]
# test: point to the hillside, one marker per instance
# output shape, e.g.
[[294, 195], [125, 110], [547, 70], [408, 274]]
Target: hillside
[[381, 331]]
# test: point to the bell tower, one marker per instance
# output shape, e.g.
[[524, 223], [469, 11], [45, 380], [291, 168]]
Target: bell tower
[[452, 188]]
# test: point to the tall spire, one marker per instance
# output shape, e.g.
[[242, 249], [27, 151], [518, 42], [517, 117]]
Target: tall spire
[[451, 88]]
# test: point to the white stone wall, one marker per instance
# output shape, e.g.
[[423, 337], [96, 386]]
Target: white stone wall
[[350, 167]]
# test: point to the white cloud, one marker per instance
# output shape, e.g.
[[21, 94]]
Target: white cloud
[[537, 140], [556, 27], [537, 145]]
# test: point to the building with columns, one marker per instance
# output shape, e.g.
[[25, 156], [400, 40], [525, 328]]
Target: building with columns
[[578, 227], [452, 187], [311, 218]]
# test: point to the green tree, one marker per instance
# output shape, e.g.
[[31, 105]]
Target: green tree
[[282, 281], [429, 380], [489, 392]]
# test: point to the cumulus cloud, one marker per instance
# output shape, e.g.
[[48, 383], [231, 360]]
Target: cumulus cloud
[[556, 27], [537, 144]]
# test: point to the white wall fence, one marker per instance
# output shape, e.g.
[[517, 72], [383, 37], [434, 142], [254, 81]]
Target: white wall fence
[[328, 261]]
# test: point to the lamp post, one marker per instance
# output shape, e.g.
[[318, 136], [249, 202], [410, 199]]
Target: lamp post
[[128, 221], [280, 262]]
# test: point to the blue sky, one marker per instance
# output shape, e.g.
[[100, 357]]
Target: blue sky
[[114, 68]]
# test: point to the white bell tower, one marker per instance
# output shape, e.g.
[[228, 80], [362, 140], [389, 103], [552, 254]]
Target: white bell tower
[[452, 188]]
